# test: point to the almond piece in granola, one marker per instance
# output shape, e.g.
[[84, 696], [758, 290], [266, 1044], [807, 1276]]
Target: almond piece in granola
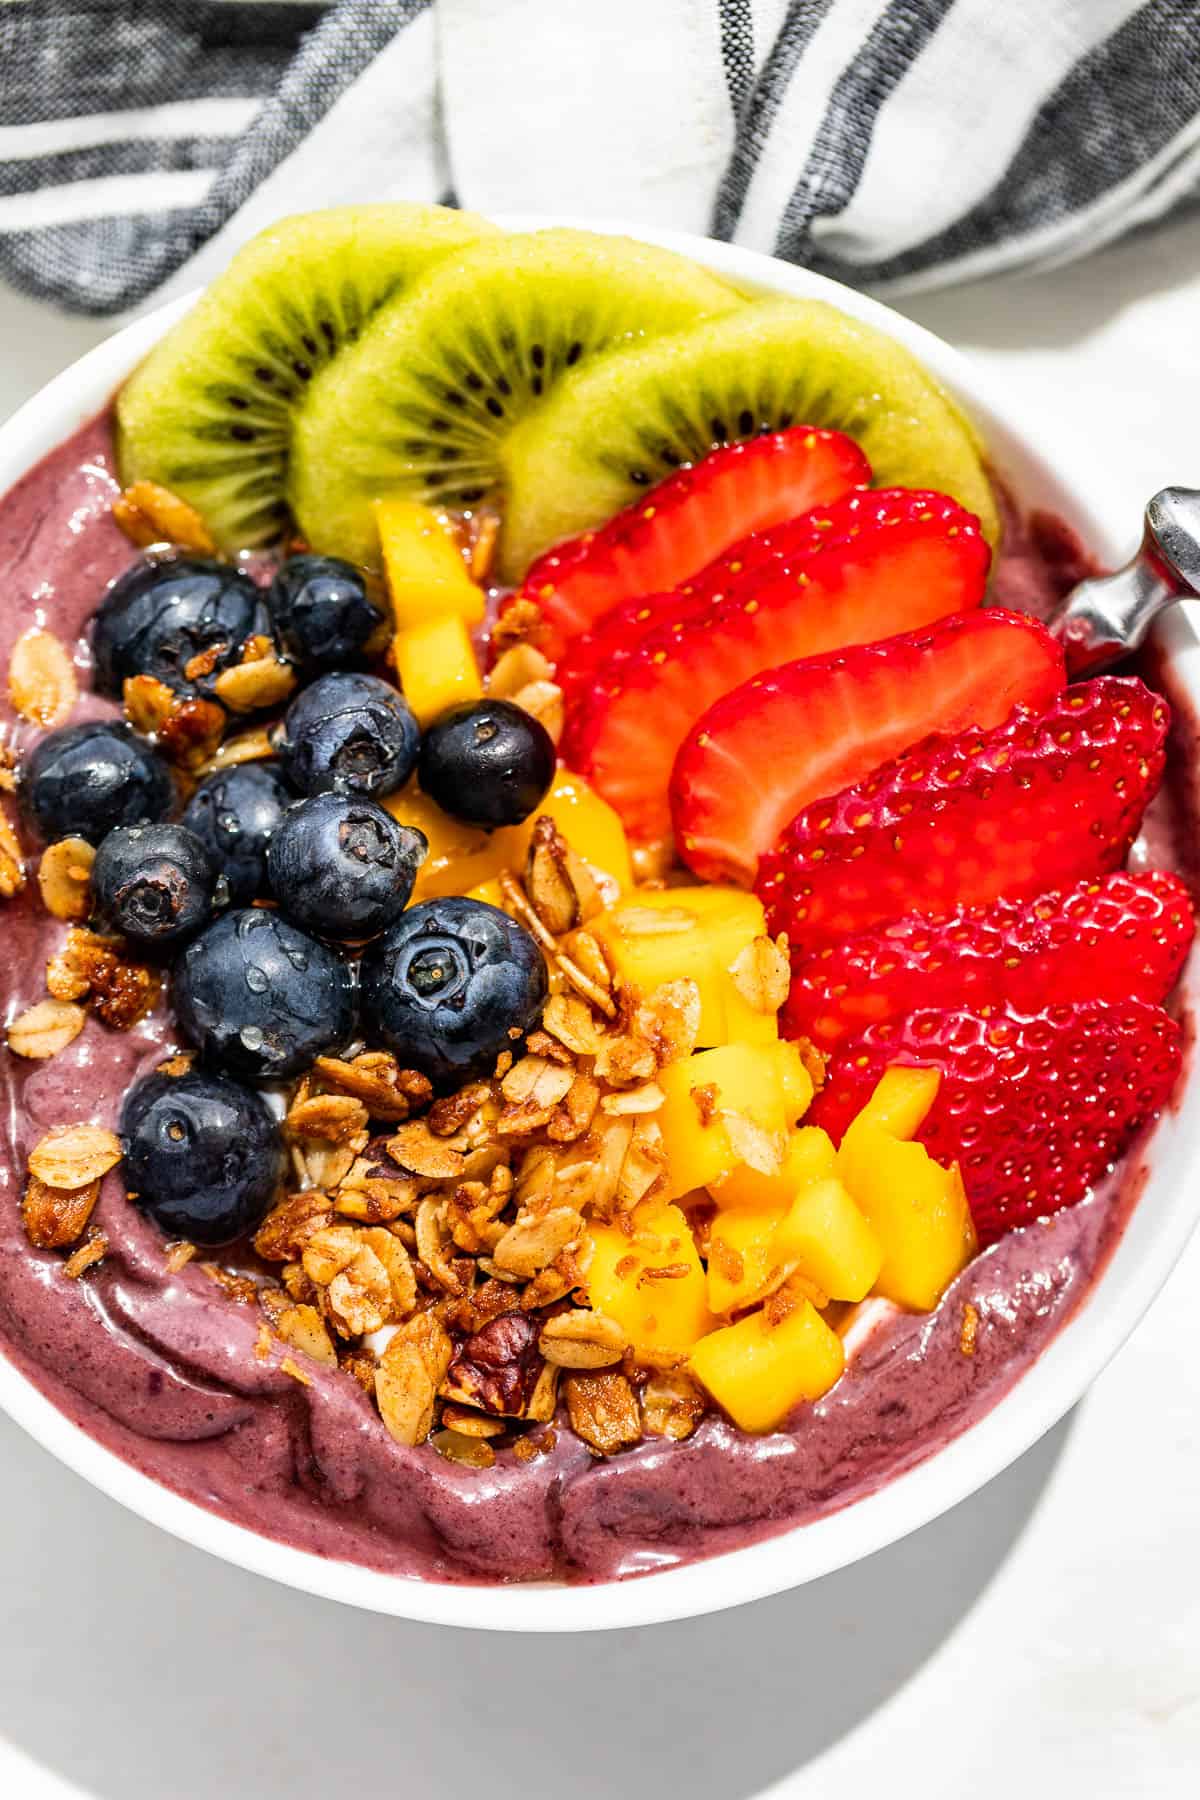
[[304, 1329], [44, 1029], [71, 1156], [149, 513], [65, 878], [409, 1374], [581, 1339], [12, 863], [535, 1240], [41, 678], [604, 1412], [54, 1217]]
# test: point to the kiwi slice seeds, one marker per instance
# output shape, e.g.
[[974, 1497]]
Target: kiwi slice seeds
[[209, 413], [422, 405], [621, 425]]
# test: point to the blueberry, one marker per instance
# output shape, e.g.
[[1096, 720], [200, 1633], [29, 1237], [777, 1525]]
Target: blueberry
[[154, 883], [234, 813], [487, 761], [349, 734], [260, 998], [203, 1156], [451, 985], [158, 616], [88, 779], [342, 867], [322, 615]]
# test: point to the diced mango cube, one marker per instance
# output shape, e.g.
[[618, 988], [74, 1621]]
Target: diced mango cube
[[460, 857], [702, 1146], [650, 1281], [828, 1241], [901, 1100], [810, 1157], [490, 892], [743, 1262], [917, 1209], [795, 1082], [592, 828], [697, 933], [760, 1371], [436, 664], [426, 574]]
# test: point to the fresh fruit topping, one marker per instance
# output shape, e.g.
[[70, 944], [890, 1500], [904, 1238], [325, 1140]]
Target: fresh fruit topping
[[1036, 803], [436, 666], [649, 1280], [203, 1156], [87, 779], [809, 1157], [451, 985], [690, 518], [234, 813], [426, 573], [323, 617], [487, 762], [261, 999], [341, 867], [1115, 937], [916, 1209], [623, 424], [1035, 1106], [349, 734], [711, 936], [917, 562], [180, 622], [422, 405], [827, 1239], [761, 1369], [154, 883], [209, 413], [764, 558], [722, 1106], [811, 728]]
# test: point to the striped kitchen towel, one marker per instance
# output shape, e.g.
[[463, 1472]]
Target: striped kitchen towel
[[891, 143]]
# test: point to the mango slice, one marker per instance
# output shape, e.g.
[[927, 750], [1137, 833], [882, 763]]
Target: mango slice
[[651, 1281], [917, 1209], [744, 1263], [826, 1239], [435, 662], [426, 575], [668, 934], [702, 1144], [760, 1371]]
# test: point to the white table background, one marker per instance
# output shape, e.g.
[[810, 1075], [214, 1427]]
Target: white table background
[[1044, 1635]]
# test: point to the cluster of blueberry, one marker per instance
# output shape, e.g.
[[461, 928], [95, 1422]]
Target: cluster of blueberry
[[260, 991]]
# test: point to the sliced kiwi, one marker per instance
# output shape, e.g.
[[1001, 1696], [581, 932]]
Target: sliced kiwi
[[208, 414], [422, 404], [621, 425]]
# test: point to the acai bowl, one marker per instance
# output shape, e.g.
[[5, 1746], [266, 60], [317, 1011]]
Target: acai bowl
[[295, 1471]]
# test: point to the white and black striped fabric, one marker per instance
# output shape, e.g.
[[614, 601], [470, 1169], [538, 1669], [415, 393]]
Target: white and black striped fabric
[[886, 142]]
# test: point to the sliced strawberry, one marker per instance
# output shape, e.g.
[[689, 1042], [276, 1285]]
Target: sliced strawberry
[[920, 559], [1121, 937], [1039, 802], [812, 728], [687, 520], [1035, 1107], [739, 572]]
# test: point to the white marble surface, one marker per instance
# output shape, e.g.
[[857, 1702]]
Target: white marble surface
[[1045, 1635]]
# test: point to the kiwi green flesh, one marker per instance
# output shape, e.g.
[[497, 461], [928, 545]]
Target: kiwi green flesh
[[422, 404], [208, 414], [616, 428]]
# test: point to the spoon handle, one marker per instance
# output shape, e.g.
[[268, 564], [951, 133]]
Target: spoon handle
[[1105, 618]]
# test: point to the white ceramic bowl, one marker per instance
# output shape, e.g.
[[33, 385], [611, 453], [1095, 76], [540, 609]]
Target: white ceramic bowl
[[1158, 1230]]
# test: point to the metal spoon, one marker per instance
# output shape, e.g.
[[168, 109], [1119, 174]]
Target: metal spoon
[[1105, 618]]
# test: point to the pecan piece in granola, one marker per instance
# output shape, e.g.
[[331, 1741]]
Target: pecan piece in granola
[[498, 1367]]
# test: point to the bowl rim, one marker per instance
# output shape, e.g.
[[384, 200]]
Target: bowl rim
[[1040, 1397]]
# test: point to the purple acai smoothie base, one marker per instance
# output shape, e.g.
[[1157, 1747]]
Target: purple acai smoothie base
[[161, 1368]]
